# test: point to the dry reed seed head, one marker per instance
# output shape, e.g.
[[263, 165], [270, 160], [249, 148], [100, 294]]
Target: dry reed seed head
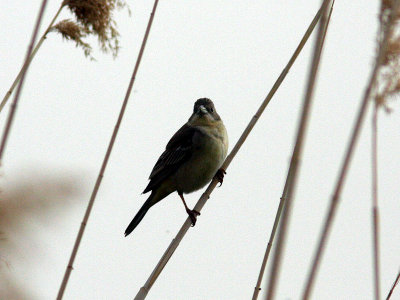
[[393, 49], [70, 30], [96, 16], [386, 4], [386, 8], [388, 85], [73, 31]]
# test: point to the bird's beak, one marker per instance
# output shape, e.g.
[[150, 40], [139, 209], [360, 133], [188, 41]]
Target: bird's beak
[[202, 110]]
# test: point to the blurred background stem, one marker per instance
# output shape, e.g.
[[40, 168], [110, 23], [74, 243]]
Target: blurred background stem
[[29, 60]]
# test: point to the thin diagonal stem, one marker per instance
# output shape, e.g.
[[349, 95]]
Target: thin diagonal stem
[[29, 60], [283, 198], [298, 148], [393, 286], [13, 109], [346, 162], [257, 289], [142, 293], [375, 211], [106, 158]]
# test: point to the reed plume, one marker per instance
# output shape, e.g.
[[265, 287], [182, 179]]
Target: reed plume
[[95, 17], [388, 80], [92, 18], [71, 30]]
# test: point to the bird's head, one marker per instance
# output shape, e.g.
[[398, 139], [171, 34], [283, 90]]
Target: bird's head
[[204, 112]]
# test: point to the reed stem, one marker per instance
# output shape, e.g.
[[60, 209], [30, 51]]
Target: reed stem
[[346, 162], [298, 148], [13, 109], [105, 161], [29, 60]]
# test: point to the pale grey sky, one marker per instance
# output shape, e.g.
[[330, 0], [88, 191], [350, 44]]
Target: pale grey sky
[[231, 52]]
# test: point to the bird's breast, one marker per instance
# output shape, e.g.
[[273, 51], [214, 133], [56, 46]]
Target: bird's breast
[[207, 157]]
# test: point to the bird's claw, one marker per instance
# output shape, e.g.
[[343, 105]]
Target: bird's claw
[[220, 176], [193, 215]]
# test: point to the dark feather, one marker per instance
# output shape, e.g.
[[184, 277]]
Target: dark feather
[[138, 217], [177, 152]]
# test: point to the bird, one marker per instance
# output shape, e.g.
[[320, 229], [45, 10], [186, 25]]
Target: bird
[[192, 157]]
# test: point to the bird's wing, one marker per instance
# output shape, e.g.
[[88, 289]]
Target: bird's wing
[[178, 151]]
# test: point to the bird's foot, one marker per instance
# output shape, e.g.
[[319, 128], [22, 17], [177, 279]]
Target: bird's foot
[[193, 215], [220, 176]]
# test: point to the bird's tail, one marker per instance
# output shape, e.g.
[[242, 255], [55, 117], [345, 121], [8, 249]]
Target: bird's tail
[[140, 214]]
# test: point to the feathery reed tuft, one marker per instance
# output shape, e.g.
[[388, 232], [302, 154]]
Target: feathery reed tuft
[[388, 84], [93, 17], [75, 32], [96, 17]]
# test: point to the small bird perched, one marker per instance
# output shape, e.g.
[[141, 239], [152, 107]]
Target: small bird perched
[[193, 156]]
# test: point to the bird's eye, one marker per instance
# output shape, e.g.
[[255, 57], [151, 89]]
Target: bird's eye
[[211, 109]]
